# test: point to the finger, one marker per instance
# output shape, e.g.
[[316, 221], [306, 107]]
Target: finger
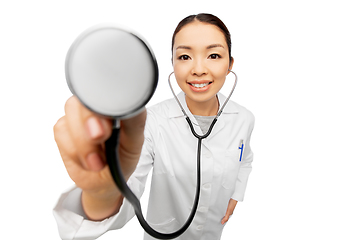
[[131, 140], [228, 213], [88, 132], [230, 209], [90, 125], [62, 138], [85, 179], [225, 219], [67, 149], [132, 132]]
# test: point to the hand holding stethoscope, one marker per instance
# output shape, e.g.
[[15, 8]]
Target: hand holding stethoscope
[[81, 136]]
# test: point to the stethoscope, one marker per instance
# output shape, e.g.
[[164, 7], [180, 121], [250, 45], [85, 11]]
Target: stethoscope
[[114, 73]]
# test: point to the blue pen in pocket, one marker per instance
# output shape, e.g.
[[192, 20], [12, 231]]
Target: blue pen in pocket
[[242, 148]]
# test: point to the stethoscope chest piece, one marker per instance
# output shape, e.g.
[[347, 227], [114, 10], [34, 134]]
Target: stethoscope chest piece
[[112, 71]]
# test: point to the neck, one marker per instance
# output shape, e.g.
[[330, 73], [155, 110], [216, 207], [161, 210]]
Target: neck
[[208, 108]]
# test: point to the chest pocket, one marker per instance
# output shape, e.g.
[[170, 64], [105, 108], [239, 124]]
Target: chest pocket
[[231, 168], [170, 225]]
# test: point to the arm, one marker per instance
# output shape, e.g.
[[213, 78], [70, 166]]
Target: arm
[[244, 172], [74, 224], [80, 137], [245, 166]]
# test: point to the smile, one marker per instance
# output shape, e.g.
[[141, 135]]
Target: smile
[[200, 86]]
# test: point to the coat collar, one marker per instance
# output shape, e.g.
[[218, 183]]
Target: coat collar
[[175, 110]]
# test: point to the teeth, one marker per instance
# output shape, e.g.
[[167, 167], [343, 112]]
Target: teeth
[[199, 85]]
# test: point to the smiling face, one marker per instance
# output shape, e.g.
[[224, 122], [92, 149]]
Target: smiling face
[[201, 64]]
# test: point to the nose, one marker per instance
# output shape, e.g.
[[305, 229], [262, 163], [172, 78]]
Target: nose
[[199, 68]]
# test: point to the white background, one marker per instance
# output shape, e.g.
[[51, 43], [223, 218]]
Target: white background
[[292, 60]]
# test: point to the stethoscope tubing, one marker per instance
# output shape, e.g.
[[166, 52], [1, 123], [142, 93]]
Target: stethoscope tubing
[[220, 110], [111, 146], [115, 169]]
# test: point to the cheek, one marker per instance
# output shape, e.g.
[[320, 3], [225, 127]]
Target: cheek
[[180, 79], [180, 73], [220, 72]]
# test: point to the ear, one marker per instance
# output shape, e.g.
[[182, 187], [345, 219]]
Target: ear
[[231, 64]]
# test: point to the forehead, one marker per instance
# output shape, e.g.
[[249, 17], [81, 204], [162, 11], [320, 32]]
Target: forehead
[[199, 34]]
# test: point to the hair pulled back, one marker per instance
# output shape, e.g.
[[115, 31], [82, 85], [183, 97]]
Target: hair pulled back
[[205, 18]]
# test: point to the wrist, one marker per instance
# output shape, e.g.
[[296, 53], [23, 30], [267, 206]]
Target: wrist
[[100, 206]]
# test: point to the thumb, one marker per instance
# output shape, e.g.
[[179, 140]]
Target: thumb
[[227, 215], [230, 209], [225, 218]]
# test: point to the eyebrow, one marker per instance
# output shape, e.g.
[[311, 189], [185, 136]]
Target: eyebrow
[[208, 47], [214, 46], [183, 47]]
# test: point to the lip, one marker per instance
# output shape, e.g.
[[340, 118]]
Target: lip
[[202, 89], [199, 81]]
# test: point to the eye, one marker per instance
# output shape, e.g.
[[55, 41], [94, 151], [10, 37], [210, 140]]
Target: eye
[[214, 56], [184, 57]]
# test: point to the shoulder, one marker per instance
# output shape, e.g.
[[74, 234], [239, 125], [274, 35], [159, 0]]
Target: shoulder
[[158, 117], [244, 112], [240, 114], [159, 114], [160, 109], [233, 109]]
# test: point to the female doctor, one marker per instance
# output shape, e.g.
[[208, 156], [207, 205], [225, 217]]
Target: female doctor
[[160, 138]]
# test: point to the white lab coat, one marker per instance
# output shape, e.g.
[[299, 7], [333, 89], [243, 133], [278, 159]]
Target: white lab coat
[[170, 149]]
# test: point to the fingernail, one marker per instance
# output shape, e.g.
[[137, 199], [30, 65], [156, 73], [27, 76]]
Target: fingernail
[[94, 128]]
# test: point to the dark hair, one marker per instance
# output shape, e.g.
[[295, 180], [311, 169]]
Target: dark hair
[[205, 18]]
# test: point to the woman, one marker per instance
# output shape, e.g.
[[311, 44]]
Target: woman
[[160, 138]]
